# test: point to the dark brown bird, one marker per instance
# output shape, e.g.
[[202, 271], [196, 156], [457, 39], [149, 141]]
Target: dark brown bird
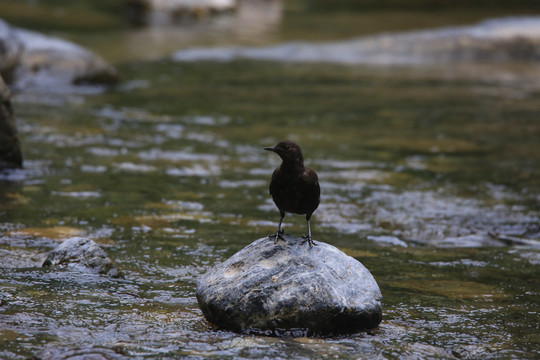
[[294, 187]]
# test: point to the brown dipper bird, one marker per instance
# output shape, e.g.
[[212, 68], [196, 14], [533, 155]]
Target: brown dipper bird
[[294, 187]]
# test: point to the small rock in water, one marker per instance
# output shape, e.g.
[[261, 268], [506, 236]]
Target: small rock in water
[[83, 254], [288, 288]]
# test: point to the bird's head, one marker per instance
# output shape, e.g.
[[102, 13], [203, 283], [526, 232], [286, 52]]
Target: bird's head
[[288, 151]]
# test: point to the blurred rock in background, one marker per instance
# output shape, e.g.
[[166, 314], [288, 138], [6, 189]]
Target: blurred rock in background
[[31, 59], [152, 12]]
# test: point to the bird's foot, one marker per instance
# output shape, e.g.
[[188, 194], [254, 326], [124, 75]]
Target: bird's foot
[[278, 235], [308, 239]]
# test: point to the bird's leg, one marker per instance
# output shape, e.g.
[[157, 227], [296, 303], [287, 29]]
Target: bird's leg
[[308, 237], [279, 233]]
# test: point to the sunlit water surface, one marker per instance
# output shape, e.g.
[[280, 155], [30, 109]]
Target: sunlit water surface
[[429, 177]]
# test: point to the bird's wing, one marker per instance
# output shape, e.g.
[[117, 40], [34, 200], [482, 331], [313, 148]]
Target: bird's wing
[[311, 181], [272, 188]]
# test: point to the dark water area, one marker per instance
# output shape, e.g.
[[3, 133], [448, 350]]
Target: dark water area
[[429, 177]]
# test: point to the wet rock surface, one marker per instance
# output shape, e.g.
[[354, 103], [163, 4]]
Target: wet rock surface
[[10, 151], [288, 288], [33, 59], [82, 254]]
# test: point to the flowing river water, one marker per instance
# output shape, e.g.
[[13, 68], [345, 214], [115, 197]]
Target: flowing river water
[[429, 177]]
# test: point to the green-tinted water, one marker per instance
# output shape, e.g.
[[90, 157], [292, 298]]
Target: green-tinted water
[[428, 175]]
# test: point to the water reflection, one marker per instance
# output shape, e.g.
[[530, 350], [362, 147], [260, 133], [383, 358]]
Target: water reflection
[[358, 197]]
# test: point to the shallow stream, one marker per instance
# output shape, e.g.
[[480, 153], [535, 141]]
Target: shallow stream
[[429, 177]]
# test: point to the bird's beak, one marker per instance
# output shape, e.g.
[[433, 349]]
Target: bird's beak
[[269, 148]]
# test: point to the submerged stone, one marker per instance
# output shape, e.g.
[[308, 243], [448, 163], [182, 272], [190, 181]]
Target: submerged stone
[[82, 254], [289, 288]]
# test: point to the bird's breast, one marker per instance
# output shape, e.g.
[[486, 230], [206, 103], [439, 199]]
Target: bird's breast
[[295, 193]]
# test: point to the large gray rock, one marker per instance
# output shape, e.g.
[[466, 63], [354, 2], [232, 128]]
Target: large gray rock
[[34, 59], [82, 254], [289, 288], [10, 152], [49, 60]]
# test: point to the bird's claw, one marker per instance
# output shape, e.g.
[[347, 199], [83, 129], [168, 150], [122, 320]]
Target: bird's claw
[[278, 235], [308, 240]]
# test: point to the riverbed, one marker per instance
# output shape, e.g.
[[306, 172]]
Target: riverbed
[[429, 177]]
